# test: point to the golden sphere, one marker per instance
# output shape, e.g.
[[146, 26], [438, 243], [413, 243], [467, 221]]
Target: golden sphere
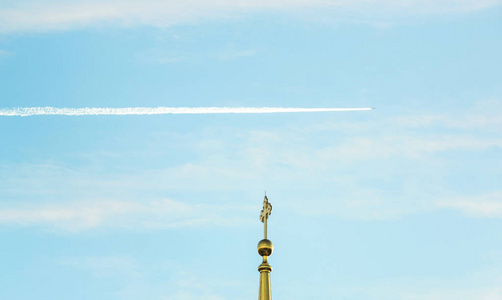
[[265, 247]]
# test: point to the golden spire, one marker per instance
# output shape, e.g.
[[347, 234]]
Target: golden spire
[[265, 249]]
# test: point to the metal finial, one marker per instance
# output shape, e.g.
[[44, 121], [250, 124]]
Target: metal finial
[[265, 212], [265, 249]]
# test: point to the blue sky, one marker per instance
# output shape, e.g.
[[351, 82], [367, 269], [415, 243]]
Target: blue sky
[[403, 202]]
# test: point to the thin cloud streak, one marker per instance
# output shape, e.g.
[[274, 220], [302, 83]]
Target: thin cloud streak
[[93, 111]]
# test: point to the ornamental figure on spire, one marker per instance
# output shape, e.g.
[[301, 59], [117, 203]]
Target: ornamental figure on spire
[[265, 212]]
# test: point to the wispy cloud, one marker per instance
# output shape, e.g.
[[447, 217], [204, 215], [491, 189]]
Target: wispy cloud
[[481, 206], [169, 60], [365, 148], [419, 290], [158, 279], [108, 266], [90, 111], [231, 52], [228, 52], [4, 54], [484, 115], [86, 215], [491, 293], [36, 15]]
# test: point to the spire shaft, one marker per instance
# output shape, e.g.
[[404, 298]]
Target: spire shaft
[[265, 226], [265, 292]]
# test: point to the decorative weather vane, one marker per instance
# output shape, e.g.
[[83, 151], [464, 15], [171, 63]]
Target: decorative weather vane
[[265, 212]]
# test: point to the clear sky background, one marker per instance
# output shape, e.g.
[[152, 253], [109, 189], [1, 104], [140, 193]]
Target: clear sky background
[[403, 202]]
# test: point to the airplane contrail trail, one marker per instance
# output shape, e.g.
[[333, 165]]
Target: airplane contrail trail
[[94, 111]]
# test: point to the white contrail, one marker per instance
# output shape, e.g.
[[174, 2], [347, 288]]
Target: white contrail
[[92, 111]]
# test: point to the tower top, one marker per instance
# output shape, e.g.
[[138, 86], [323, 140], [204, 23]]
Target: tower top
[[265, 249]]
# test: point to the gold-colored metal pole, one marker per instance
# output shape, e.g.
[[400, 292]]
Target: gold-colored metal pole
[[265, 233], [265, 292]]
